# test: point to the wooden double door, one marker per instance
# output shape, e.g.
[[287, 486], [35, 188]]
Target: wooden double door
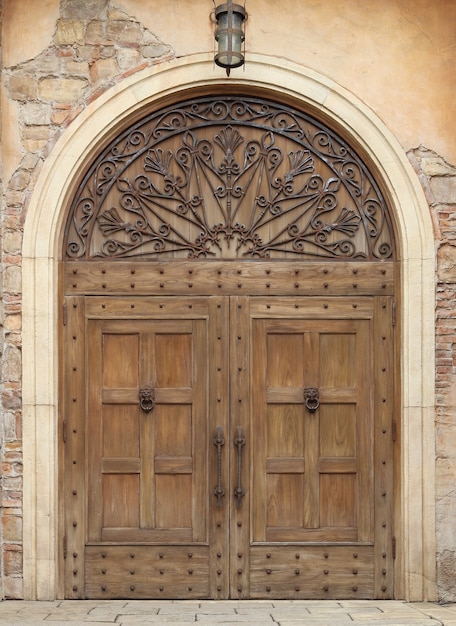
[[228, 447]]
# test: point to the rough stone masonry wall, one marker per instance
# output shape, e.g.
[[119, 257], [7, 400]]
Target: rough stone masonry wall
[[439, 181], [95, 45]]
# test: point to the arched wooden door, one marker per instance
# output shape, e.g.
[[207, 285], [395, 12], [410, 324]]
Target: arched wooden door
[[227, 399]]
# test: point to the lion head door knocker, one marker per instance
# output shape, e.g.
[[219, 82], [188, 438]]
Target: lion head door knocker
[[311, 398], [147, 398]]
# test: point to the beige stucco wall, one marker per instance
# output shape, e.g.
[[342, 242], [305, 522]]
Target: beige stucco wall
[[396, 55], [27, 30]]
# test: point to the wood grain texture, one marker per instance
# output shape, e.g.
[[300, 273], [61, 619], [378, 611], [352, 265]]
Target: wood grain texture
[[148, 471], [252, 278], [312, 479]]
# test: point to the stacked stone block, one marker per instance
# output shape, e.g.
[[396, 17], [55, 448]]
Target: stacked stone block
[[439, 181]]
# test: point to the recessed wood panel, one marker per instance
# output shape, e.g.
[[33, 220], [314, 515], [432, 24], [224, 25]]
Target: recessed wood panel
[[338, 360], [120, 372], [285, 500], [285, 430], [173, 501], [174, 358], [338, 430], [120, 430], [285, 360], [338, 500], [121, 500], [173, 430]]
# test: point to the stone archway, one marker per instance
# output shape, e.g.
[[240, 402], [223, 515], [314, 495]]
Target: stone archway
[[42, 243]]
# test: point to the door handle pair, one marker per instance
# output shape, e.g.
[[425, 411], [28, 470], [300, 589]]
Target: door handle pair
[[239, 443]]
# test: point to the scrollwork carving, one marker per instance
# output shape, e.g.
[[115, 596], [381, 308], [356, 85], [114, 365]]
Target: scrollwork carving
[[229, 178]]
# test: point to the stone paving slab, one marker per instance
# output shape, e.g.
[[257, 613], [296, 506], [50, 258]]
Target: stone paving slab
[[157, 619], [344, 620], [225, 613], [437, 611], [261, 617]]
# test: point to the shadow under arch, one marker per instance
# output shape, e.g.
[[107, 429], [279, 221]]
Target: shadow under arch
[[42, 244]]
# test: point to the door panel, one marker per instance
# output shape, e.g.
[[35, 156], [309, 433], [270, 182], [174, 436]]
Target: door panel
[[159, 459], [149, 458], [312, 484], [229, 448], [319, 486]]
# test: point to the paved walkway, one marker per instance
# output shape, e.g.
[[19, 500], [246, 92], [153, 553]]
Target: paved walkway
[[206, 613]]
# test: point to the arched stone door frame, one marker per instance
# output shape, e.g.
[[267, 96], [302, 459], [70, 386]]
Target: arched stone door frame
[[43, 231]]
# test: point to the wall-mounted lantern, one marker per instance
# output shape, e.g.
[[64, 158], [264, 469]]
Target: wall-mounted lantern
[[229, 35]]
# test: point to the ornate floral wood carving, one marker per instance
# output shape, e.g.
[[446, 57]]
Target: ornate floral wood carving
[[230, 177]]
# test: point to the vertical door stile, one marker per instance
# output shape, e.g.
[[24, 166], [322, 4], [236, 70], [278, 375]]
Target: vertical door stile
[[365, 427], [73, 412], [311, 431], [93, 428], [240, 416], [200, 436], [218, 416], [148, 373], [259, 408], [383, 447]]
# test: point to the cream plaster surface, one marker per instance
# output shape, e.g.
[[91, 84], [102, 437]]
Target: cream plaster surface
[[186, 25], [43, 226], [29, 29], [398, 56], [10, 136]]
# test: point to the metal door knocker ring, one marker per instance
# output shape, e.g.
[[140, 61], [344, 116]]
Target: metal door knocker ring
[[147, 398], [312, 399]]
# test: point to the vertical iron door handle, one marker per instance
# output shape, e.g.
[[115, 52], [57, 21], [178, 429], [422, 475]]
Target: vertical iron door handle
[[239, 442], [219, 442]]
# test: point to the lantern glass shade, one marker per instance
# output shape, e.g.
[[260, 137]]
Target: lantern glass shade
[[229, 35]]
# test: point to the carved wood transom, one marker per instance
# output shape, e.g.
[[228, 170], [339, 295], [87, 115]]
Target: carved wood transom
[[228, 178]]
